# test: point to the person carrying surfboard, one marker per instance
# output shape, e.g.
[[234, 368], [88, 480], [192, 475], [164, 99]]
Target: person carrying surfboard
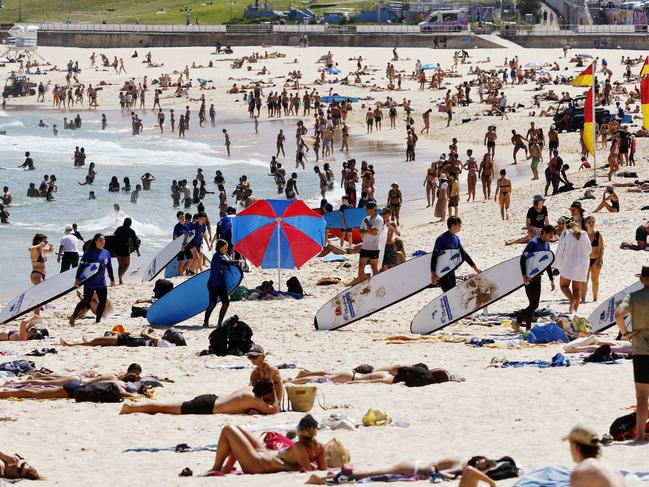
[[533, 285], [448, 241], [216, 285], [637, 304]]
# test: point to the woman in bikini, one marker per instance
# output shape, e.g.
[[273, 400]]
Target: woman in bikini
[[430, 184], [503, 194], [37, 252], [27, 331], [472, 177], [395, 198], [596, 259], [15, 467], [486, 174], [470, 472], [237, 445], [610, 201]]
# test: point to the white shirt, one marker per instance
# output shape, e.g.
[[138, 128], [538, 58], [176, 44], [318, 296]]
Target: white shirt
[[69, 243], [572, 256], [372, 242]]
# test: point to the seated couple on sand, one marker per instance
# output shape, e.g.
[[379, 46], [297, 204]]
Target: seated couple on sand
[[27, 331], [148, 338], [416, 375], [259, 399]]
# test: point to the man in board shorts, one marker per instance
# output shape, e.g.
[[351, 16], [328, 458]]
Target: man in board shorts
[[370, 229]]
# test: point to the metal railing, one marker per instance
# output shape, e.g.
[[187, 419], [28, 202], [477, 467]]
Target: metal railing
[[505, 30]]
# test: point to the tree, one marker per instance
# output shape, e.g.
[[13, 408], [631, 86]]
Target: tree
[[530, 7]]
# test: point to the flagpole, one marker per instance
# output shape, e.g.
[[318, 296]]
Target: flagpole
[[594, 122]]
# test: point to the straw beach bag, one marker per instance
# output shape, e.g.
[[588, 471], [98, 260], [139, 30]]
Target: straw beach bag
[[301, 398]]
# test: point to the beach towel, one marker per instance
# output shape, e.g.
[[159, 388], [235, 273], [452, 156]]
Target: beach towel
[[334, 258], [549, 476], [173, 448], [559, 360], [635, 476]]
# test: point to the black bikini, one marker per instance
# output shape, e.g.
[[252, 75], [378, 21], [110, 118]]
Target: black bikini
[[594, 243]]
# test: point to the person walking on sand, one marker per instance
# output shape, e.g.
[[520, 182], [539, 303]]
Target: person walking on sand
[[226, 136], [503, 194], [449, 240], [121, 66], [96, 253], [442, 199], [490, 140], [486, 174], [572, 260], [125, 240], [68, 255], [637, 304], [370, 229], [517, 141], [533, 284], [535, 153], [216, 285], [453, 194], [596, 259], [426, 118]]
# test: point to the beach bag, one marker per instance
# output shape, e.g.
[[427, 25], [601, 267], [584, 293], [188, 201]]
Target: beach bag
[[239, 293], [139, 311], [301, 398], [293, 285], [336, 454], [162, 287], [276, 441], [505, 469], [98, 392], [376, 417]]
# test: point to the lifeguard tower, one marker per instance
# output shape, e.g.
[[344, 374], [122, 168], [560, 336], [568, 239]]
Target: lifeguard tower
[[22, 43]]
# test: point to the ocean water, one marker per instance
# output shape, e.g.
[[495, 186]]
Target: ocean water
[[117, 153]]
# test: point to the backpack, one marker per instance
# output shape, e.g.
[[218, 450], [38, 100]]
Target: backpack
[[139, 311], [162, 287], [623, 428], [219, 341], [293, 286], [98, 392], [505, 469]]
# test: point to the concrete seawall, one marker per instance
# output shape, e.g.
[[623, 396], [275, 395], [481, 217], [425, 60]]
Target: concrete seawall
[[584, 41], [98, 40]]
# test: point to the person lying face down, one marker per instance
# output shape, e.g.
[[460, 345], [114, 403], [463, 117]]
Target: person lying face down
[[259, 399]]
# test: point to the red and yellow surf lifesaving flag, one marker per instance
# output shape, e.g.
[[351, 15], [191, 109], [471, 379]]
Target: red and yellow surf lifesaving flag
[[588, 134], [644, 99], [585, 78], [645, 67]]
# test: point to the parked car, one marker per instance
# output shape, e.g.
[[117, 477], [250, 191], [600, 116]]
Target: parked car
[[569, 116]]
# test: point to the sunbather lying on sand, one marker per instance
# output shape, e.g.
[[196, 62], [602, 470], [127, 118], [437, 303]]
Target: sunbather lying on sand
[[15, 467], [27, 331], [259, 399], [471, 472], [148, 338], [238, 445], [38, 379], [133, 390], [592, 343], [412, 376]]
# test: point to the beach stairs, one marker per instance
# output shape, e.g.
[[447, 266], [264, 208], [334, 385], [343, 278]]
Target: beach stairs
[[498, 41]]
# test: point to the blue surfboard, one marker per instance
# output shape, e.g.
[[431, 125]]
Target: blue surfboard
[[353, 218], [189, 298]]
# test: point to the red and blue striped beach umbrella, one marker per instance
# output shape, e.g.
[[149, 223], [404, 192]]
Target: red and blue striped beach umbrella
[[278, 234]]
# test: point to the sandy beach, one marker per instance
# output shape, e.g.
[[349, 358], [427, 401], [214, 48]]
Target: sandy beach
[[519, 412]]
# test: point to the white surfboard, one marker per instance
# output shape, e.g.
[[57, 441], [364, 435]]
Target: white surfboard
[[166, 255], [383, 290], [477, 292], [52, 288], [603, 316]]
